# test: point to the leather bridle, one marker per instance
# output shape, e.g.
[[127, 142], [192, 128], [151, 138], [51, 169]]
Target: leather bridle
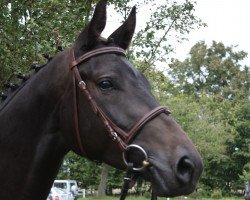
[[123, 139], [119, 136]]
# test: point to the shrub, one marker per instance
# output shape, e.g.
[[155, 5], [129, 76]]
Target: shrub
[[216, 194]]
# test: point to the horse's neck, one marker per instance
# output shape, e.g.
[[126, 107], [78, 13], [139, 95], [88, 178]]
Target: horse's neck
[[31, 145]]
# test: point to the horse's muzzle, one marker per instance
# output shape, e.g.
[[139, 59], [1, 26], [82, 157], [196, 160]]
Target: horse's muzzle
[[177, 180]]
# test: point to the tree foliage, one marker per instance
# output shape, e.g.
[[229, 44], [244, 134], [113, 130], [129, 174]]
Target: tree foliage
[[239, 148], [80, 169], [28, 29], [216, 111], [41, 26], [171, 19], [215, 70]]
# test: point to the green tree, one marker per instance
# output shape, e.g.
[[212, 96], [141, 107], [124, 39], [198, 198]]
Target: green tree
[[216, 70], [203, 123], [29, 29], [85, 172], [217, 89], [115, 179], [41, 26], [246, 173], [169, 19], [239, 148]]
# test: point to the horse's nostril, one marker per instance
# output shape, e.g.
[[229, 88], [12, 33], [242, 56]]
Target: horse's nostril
[[185, 170]]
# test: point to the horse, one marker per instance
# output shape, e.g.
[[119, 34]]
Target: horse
[[91, 100]]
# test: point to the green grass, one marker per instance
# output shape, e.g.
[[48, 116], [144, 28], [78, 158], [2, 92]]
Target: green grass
[[113, 198], [143, 198]]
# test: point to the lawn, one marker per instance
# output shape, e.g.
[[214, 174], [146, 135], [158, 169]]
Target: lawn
[[144, 198]]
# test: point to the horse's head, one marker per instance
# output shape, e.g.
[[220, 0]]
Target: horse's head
[[122, 95]]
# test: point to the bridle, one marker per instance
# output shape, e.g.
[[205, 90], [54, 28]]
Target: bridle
[[119, 136]]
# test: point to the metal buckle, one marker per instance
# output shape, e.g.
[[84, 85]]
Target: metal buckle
[[145, 162], [82, 84]]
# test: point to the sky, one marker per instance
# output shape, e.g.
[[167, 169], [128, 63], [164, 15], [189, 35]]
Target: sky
[[228, 21]]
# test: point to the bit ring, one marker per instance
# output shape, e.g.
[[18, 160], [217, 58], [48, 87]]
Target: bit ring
[[145, 162]]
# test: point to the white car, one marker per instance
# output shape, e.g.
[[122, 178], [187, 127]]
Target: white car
[[59, 194], [70, 186]]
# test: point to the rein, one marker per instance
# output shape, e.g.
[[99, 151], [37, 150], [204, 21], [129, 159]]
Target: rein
[[120, 137]]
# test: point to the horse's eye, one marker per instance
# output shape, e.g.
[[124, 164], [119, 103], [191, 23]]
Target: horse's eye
[[105, 85]]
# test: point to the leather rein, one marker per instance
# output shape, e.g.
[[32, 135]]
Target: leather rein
[[119, 136]]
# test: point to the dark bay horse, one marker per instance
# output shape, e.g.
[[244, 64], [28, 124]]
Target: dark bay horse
[[91, 100]]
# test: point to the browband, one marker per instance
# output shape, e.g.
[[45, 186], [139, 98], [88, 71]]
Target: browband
[[95, 52]]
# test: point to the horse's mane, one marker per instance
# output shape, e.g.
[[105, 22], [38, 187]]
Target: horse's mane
[[11, 93]]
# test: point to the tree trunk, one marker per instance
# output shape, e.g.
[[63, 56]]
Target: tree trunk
[[104, 179]]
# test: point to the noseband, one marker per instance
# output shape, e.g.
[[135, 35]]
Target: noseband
[[120, 137]]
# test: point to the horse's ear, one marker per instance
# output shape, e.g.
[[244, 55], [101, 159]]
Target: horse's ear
[[123, 35], [90, 35]]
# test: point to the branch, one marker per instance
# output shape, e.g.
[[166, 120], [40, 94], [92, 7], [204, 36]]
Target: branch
[[149, 62], [159, 42]]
